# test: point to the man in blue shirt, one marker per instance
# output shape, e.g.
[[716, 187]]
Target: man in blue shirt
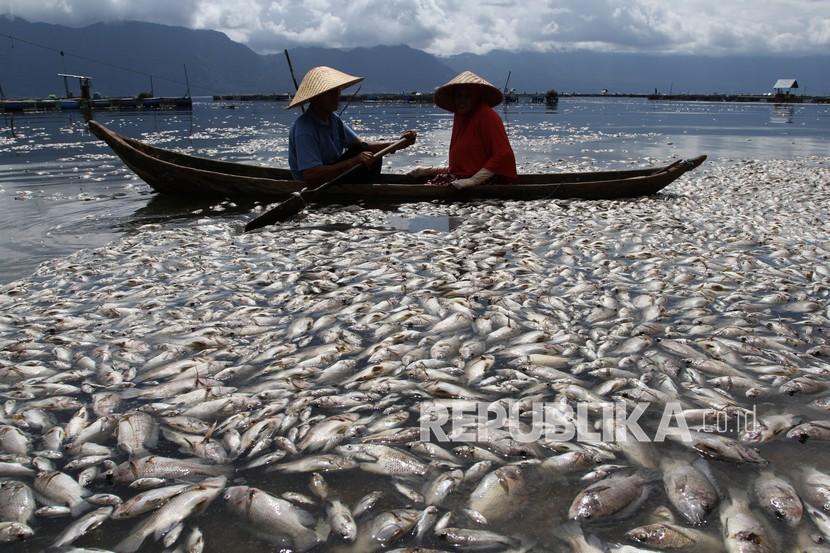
[[321, 146]]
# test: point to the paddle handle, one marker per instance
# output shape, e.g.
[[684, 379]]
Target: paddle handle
[[297, 201], [326, 184]]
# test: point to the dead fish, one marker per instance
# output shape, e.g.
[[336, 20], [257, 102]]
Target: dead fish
[[191, 501], [147, 501], [464, 538], [778, 498], [665, 535], [499, 493], [816, 430], [275, 518], [341, 520], [366, 503], [316, 463], [803, 385], [769, 427], [742, 531], [156, 466], [815, 487], [11, 532], [17, 502], [82, 526], [63, 489], [437, 490], [725, 449], [689, 490], [14, 441], [382, 459], [384, 529], [617, 495]]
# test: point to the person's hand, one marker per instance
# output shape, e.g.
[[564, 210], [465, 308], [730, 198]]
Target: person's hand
[[460, 184], [421, 172], [364, 158], [410, 137], [481, 177]]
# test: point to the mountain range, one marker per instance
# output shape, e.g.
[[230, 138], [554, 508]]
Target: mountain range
[[121, 58]]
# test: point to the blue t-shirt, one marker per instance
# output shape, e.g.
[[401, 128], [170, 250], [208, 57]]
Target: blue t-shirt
[[312, 144]]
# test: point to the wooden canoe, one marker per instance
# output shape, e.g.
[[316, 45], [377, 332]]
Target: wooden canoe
[[183, 175]]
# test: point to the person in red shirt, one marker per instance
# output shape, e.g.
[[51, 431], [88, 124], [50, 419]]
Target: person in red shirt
[[480, 151]]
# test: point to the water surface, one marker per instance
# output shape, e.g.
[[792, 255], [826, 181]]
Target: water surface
[[61, 189]]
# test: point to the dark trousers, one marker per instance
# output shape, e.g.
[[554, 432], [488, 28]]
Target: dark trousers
[[361, 174]]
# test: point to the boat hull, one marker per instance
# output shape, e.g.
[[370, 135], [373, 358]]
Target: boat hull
[[182, 175]]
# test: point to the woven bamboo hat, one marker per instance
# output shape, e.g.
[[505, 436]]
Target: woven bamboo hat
[[320, 80], [444, 94]]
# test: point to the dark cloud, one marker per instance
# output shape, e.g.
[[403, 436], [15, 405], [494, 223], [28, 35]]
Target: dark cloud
[[443, 27]]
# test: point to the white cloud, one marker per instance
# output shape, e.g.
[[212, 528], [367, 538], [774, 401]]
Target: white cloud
[[444, 27]]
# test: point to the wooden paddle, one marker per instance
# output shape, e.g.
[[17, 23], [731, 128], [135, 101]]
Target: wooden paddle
[[298, 200]]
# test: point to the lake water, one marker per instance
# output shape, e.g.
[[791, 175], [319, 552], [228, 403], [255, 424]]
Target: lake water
[[61, 189]]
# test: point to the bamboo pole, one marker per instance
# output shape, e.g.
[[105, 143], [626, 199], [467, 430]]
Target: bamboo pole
[[293, 78]]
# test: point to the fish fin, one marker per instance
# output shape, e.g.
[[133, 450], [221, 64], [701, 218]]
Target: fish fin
[[210, 432]]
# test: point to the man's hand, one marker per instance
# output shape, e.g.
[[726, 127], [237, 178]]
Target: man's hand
[[364, 158], [410, 137]]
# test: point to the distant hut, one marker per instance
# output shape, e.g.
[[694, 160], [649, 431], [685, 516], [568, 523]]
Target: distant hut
[[551, 97], [782, 89]]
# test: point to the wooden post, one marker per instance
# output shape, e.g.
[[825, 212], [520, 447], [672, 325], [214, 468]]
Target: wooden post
[[85, 89], [86, 99], [187, 81]]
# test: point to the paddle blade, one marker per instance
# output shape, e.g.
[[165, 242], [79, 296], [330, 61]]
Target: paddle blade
[[282, 212]]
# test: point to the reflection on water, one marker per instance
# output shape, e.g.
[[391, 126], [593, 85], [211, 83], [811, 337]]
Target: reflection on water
[[782, 114]]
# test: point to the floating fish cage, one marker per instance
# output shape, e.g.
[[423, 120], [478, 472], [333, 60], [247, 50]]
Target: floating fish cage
[[110, 104]]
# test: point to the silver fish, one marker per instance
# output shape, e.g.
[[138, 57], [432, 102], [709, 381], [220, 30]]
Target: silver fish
[[778, 498], [193, 500], [275, 518], [742, 531], [617, 495], [82, 526], [17, 502], [689, 490]]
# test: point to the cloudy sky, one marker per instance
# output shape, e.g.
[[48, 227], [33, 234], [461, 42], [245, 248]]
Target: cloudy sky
[[711, 27]]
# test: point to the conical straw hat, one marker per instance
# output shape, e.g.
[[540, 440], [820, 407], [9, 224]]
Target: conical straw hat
[[320, 80], [444, 94]]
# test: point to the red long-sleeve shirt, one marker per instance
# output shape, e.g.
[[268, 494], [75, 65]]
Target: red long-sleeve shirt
[[479, 141]]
